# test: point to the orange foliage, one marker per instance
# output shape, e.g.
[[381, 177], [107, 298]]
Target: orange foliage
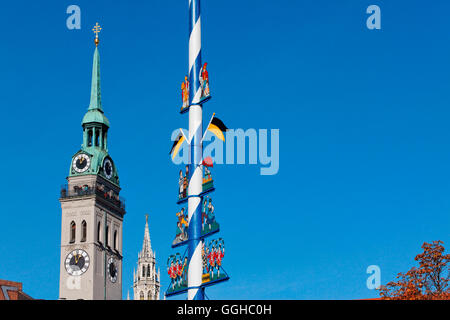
[[430, 281]]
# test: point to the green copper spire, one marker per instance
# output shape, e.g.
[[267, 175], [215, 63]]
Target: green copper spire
[[96, 96], [95, 111]]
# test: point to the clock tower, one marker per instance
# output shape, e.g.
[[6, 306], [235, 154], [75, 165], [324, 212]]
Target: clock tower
[[92, 210]]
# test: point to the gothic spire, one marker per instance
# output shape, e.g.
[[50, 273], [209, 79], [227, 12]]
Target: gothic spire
[[146, 246], [146, 284]]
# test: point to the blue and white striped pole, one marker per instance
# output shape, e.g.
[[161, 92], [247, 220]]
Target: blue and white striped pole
[[195, 292]]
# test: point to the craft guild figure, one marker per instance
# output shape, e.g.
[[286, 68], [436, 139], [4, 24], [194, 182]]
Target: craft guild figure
[[204, 81], [185, 93], [179, 271], [183, 184], [186, 182], [172, 274], [212, 256], [181, 193], [182, 226], [205, 204], [220, 253], [208, 216], [184, 271], [205, 251], [207, 175], [211, 262]]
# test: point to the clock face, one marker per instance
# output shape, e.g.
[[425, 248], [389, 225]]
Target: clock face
[[77, 262], [81, 163], [108, 168], [112, 270]]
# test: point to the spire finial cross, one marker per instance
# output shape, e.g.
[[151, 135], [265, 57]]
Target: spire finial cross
[[97, 28]]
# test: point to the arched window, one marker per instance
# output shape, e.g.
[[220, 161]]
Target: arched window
[[149, 296], [99, 228], [89, 138], [97, 136], [115, 240], [148, 271], [104, 140], [142, 295], [143, 271], [83, 231], [73, 230], [107, 235]]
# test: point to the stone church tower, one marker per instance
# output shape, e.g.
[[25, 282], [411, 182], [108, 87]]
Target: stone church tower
[[92, 211], [146, 283]]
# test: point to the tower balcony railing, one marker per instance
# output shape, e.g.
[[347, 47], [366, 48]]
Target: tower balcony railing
[[97, 189]]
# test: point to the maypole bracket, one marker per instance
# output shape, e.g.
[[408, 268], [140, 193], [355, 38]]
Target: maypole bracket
[[202, 101]]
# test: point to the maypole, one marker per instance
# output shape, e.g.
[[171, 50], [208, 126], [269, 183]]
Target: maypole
[[195, 292], [202, 266]]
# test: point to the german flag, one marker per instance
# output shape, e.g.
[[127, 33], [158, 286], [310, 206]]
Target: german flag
[[217, 127], [177, 145]]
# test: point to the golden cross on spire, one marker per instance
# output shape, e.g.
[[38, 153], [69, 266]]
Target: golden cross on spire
[[96, 30]]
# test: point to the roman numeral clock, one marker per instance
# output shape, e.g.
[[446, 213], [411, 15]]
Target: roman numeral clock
[[77, 262]]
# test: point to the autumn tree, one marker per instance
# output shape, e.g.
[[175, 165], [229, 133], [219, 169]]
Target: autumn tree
[[429, 281]]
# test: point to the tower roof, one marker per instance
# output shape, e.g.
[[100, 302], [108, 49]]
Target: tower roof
[[95, 111], [146, 246]]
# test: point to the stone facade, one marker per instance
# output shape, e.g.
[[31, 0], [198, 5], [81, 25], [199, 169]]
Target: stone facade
[[90, 210]]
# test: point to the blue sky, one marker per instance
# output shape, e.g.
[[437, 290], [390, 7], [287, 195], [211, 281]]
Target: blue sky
[[363, 115]]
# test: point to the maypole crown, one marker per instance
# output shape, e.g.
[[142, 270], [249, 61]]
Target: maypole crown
[[97, 28]]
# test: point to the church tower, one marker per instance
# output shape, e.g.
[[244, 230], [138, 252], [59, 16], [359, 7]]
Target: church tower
[[145, 279], [92, 211]]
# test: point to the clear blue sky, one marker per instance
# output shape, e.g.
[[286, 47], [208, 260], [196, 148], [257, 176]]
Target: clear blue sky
[[364, 135]]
